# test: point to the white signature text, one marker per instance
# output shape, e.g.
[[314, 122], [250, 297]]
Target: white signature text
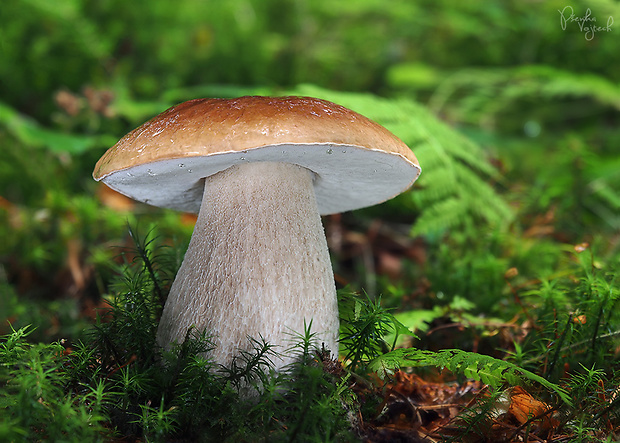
[[587, 23]]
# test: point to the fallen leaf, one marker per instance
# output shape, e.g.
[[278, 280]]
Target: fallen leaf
[[524, 407]]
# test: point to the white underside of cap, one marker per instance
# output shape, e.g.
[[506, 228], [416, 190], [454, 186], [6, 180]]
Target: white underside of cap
[[346, 177]]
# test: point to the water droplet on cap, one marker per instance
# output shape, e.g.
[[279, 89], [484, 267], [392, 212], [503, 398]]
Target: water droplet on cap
[[330, 151]]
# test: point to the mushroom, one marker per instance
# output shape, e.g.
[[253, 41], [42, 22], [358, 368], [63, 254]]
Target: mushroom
[[259, 171]]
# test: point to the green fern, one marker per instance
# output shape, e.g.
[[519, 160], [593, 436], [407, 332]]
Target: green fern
[[485, 368], [532, 100], [482, 94], [365, 324], [454, 188]]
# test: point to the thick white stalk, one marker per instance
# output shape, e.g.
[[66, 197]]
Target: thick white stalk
[[257, 264]]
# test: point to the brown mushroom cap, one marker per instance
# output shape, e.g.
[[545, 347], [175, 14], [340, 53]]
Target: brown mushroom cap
[[356, 162]]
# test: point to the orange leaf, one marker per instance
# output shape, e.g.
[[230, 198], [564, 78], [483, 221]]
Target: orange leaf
[[525, 407]]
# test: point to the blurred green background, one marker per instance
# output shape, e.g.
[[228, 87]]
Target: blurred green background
[[514, 119]]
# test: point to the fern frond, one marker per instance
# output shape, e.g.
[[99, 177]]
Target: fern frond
[[443, 214], [484, 93], [487, 369], [453, 189]]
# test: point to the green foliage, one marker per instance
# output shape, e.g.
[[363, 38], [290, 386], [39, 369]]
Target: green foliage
[[276, 42], [495, 96], [364, 329], [157, 423], [575, 338], [29, 132], [363, 339], [569, 352], [457, 266], [119, 378], [539, 115], [455, 188], [33, 403], [578, 315], [489, 370], [314, 396], [581, 183]]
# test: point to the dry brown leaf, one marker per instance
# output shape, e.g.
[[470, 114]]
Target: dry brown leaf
[[524, 407]]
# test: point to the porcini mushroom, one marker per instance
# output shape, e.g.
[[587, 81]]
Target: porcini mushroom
[[259, 171]]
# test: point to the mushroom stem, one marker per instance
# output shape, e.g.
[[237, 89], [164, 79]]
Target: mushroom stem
[[257, 264]]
